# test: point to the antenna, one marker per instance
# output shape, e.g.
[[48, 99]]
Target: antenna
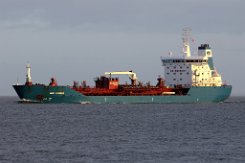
[[17, 81]]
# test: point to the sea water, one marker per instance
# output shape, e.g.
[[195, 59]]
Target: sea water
[[149, 133]]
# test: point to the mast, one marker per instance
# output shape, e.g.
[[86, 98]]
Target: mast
[[186, 37], [28, 75]]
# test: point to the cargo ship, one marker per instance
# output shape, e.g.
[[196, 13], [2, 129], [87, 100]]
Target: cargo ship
[[187, 79]]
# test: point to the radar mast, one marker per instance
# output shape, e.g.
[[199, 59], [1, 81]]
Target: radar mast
[[28, 75], [186, 38]]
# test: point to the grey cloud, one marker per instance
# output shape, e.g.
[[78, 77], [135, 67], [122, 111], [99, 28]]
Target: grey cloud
[[126, 15]]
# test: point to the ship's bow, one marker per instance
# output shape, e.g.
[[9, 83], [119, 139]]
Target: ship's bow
[[19, 89]]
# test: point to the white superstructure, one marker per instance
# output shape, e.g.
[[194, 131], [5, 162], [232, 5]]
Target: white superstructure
[[190, 70]]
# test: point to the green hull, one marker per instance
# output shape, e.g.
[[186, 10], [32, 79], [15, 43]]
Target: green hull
[[64, 94]]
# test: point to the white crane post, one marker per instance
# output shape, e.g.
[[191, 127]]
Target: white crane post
[[131, 75]]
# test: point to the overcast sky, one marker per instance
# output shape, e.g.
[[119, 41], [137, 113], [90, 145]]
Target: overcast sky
[[81, 39]]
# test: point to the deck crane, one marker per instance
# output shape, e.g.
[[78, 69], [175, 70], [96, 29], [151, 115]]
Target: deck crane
[[131, 74]]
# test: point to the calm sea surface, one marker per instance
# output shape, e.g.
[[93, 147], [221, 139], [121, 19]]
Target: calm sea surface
[[122, 133]]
